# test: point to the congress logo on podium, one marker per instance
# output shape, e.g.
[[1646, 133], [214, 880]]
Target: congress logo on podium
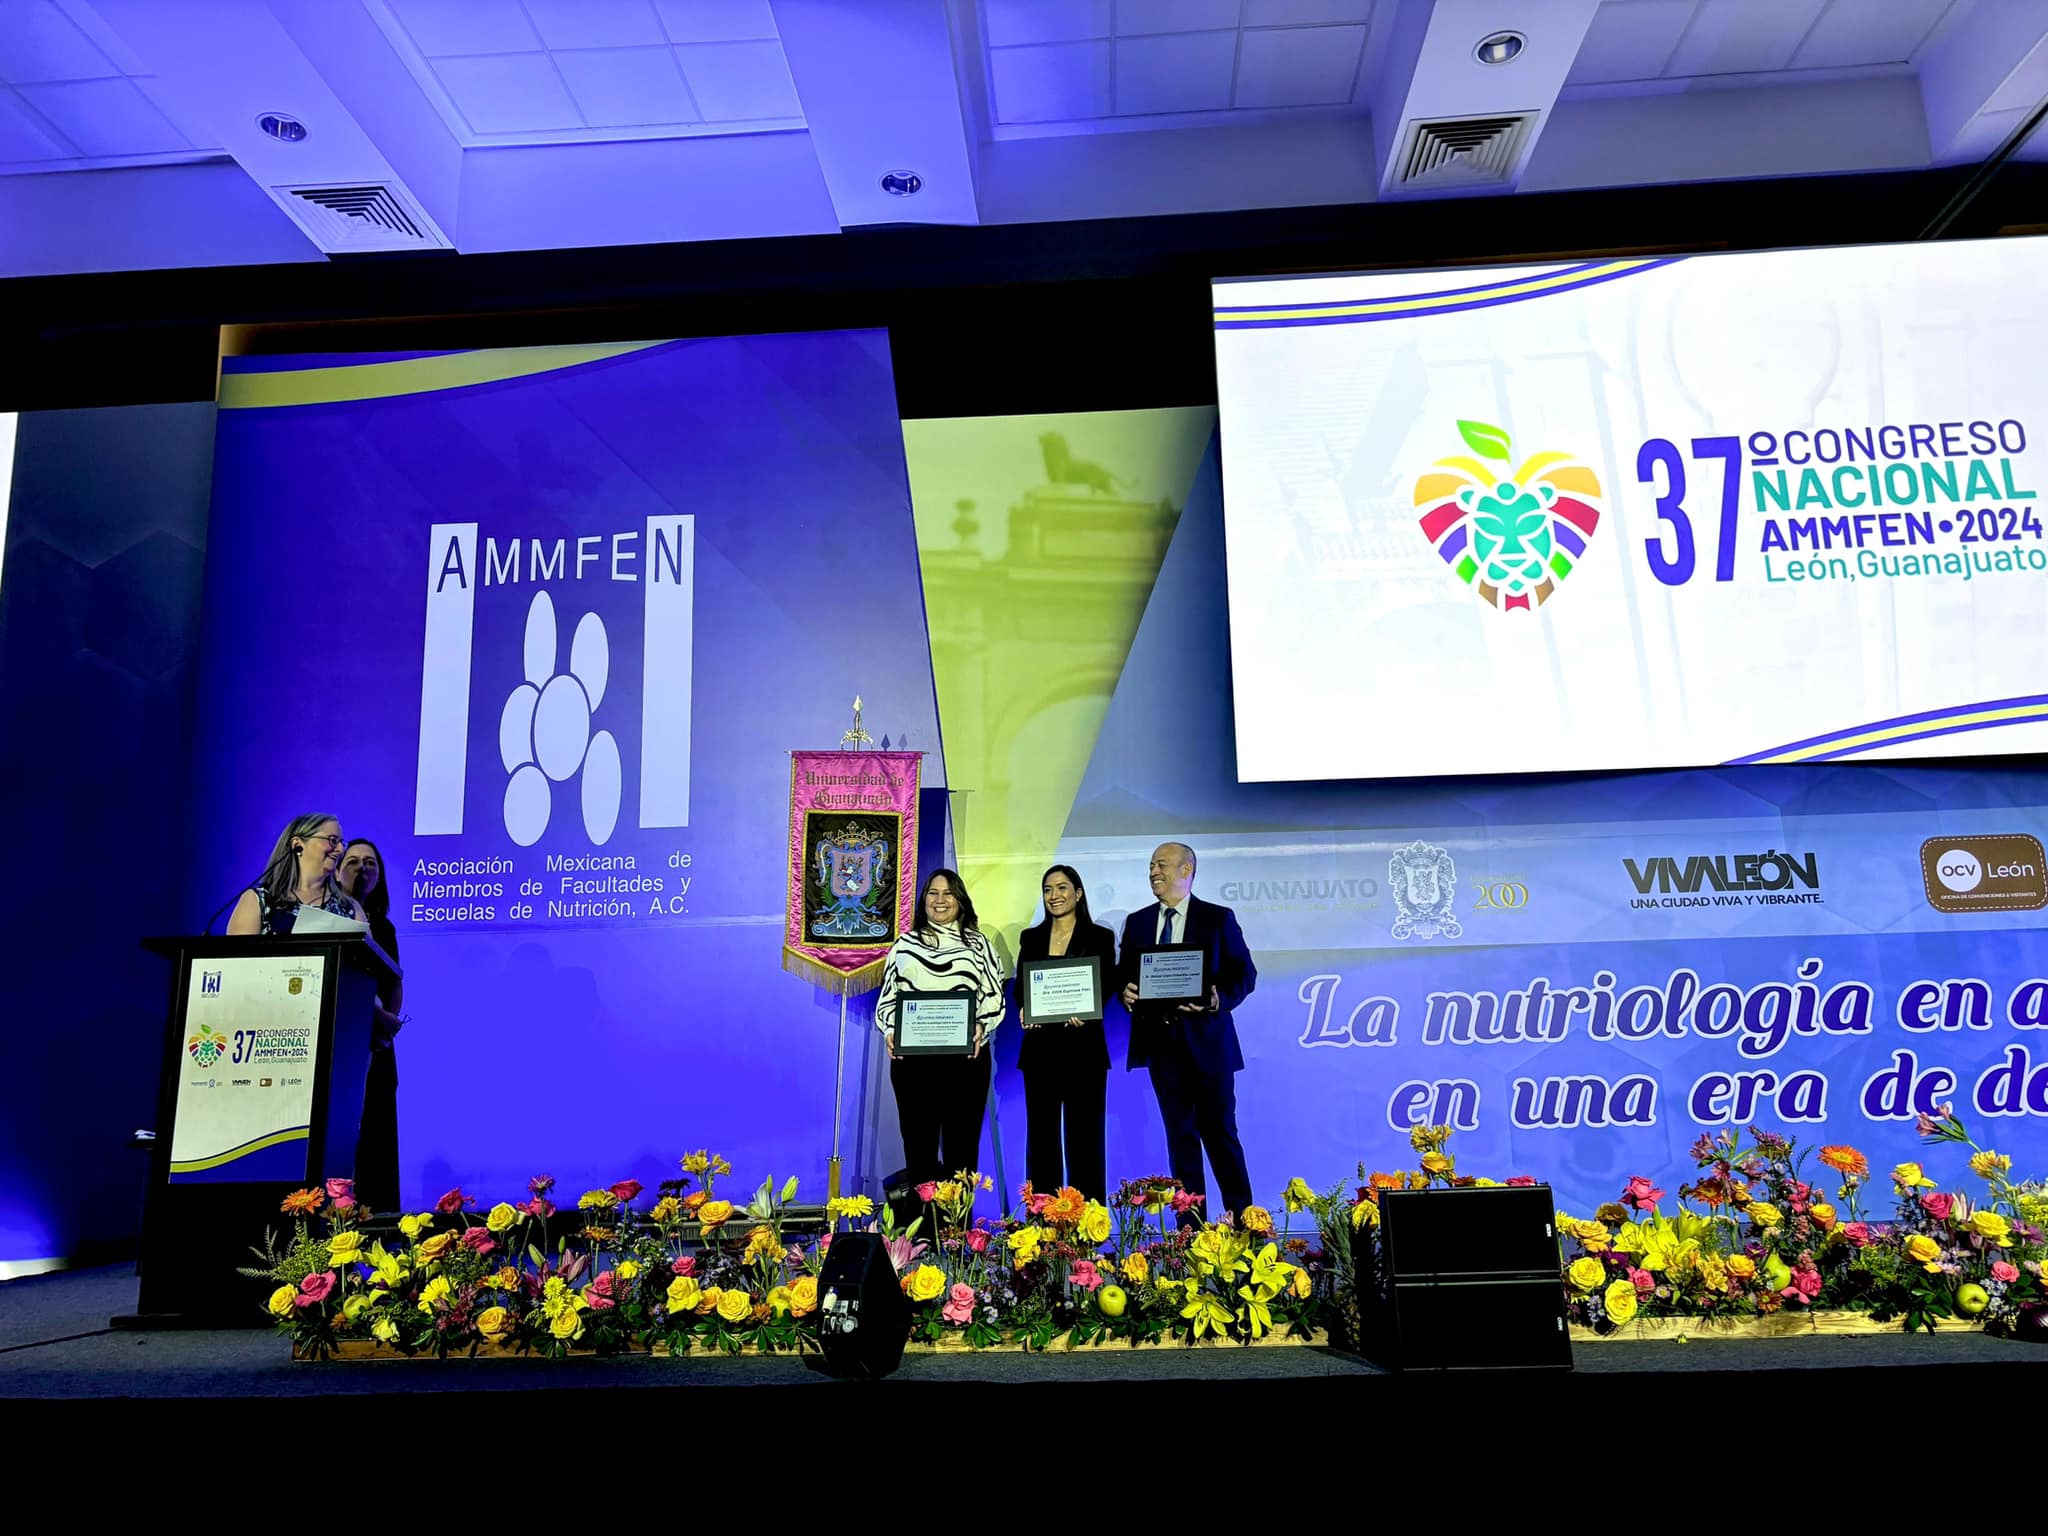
[[207, 1046], [1424, 879], [1513, 537]]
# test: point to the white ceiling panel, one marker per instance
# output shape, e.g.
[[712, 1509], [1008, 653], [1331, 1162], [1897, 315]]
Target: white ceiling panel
[[441, 28], [1630, 40], [740, 82], [1052, 83], [509, 93], [596, 23], [1016, 23], [716, 21], [1297, 13], [106, 119], [1299, 66], [627, 87], [1733, 37], [1174, 72], [1135, 17], [38, 43], [1852, 33]]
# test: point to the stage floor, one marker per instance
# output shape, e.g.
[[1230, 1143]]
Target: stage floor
[[56, 1347]]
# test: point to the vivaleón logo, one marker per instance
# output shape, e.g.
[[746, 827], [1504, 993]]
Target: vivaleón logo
[[2002, 872], [545, 716], [1510, 538], [1769, 878]]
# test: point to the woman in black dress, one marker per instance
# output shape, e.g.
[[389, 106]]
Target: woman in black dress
[[362, 876], [1065, 1066]]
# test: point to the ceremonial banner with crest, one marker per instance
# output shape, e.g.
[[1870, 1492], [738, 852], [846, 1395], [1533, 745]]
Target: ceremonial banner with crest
[[852, 863]]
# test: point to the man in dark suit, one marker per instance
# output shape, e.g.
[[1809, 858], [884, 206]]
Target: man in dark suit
[[1191, 1048]]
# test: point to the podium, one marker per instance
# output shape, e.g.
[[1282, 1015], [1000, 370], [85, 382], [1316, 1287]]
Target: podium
[[266, 1056]]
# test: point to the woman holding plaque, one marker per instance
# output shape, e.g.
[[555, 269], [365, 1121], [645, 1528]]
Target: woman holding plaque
[[1065, 1062], [942, 1095]]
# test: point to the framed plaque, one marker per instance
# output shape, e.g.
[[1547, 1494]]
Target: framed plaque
[[934, 1023], [1059, 988], [1174, 973]]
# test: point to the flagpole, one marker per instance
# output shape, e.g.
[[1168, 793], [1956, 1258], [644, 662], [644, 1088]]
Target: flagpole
[[838, 1103]]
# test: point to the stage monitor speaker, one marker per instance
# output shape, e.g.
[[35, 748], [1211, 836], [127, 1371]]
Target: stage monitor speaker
[[1465, 1279], [863, 1316]]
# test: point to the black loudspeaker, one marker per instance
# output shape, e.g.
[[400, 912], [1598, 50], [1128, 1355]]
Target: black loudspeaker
[[1465, 1279], [863, 1316]]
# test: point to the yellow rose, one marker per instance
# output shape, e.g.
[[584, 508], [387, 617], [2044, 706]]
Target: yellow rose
[[778, 1300], [282, 1300], [437, 1290], [495, 1324], [502, 1218], [1620, 1299], [566, 1324], [1989, 1164], [1024, 1244], [1587, 1274], [384, 1330], [1299, 1197], [708, 1299], [629, 1270], [1910, 1176], [1922, 1249], [413, 1226], [435, 1248], [1765, 1214], [803, 1296], [1255, 1218], [1593, 1237], [1742, 1266], [1437, 1162], [1823, 1215], [683, 1294], [1094, 1226], [926, 1282], [345, 1248], [714, 1214], [735, 1306], [1136, 1269], [1992, 1225]]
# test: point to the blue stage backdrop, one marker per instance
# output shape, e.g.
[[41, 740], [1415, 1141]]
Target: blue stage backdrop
[[1582, 973], [544, 623]]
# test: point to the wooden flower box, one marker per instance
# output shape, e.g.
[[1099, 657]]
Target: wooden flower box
[[948, 1344], [1779, 1325]]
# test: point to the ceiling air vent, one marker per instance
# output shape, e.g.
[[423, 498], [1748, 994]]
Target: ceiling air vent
[[1464, 151], [369, 216]]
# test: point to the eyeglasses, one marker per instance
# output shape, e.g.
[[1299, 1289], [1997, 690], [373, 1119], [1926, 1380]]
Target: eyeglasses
[[327, 837]]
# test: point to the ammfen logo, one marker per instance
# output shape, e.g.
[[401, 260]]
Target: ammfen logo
[[1510, 538]]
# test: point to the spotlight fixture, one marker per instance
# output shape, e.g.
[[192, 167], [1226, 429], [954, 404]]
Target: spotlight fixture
[[1499, 47], [901, 183], [286, 130]]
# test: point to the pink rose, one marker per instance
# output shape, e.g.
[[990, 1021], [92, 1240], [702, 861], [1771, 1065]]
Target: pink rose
[[537, 1208], [1085, 1275], [341, 1189], [977, 1241], [1641, 1194], [625, 1190], [1857, 1232], [1937, 1205], [2003, 1272], [824, 1247], [1804, 1287], [926, 1190], [316, 1288], [686, 1265], [478, 1240], [602, 1293], [959, 1307], [453, 1201], [1184, 1202], [1643, 1281], [1520, 1181]]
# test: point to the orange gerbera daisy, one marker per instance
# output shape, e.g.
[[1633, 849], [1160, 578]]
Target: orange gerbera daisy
[[302, 1202], [1065, 1208], [1845, 1160]]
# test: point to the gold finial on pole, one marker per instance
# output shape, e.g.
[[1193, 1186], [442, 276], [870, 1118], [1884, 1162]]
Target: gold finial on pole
[[856, 738]]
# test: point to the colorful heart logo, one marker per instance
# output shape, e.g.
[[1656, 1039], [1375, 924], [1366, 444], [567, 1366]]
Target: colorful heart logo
[[1513, 537]]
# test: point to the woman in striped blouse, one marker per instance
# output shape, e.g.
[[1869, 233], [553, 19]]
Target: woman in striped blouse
[[940, 1100]]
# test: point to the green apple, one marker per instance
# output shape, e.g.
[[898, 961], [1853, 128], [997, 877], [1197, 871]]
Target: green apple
[[1112, 1300], [1776, 1272], [1972, 1299]]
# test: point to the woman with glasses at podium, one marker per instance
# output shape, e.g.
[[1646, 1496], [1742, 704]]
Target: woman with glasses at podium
[[301, 874], [362, 877]]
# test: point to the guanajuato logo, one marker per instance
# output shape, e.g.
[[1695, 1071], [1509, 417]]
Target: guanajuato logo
[[1511, 536]]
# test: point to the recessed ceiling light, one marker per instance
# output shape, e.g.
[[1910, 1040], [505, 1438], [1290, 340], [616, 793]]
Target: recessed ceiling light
[[286, 130], [1499, 47], [901, 183]]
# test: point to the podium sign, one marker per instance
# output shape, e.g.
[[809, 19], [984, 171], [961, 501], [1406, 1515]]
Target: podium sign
[[244, 1107]]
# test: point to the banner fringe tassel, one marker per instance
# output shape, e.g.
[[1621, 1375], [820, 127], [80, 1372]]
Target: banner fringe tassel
[[839, 983]]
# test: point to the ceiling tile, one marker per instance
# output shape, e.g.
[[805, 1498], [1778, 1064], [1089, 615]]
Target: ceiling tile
[[1134, 17], [440, 28], [1298, 66], [1868, 32], [716, 21], [1175, 72], [38, 42], [1294, 13], [595, 23], [627, 87], [740, 82], [22, 137], [1057, 83], [1734, 37], [1009, 23], [509, 93], [1630, 40], [106, 117]]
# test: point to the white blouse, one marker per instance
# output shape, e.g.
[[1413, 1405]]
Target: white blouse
[[951, 961]]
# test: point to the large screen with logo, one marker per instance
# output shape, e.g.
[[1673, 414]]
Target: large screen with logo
[[1761, 508]]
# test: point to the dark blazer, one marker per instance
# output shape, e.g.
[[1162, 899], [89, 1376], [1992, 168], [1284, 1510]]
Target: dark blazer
[[1209, 1039], [1057, 1046]]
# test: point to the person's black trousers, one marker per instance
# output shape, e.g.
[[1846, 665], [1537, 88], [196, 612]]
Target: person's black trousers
[[377, 1142], [940, 1104], [1200, 1112], [1074, 1154]]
